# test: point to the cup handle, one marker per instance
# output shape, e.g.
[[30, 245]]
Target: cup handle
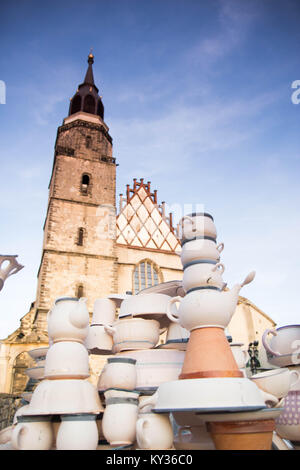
[[269, 399], [216, 267], [246, 355], [297, 375], [170, 303], [140, 424], [266, 344], [220, 247], [109, 329]]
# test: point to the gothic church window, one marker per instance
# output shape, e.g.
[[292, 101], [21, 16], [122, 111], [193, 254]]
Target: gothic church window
[[85, 182], [146, 274]]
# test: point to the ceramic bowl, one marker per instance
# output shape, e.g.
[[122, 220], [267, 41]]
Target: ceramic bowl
[[155, 366], [64, 396], [67, 359], [135, 333]]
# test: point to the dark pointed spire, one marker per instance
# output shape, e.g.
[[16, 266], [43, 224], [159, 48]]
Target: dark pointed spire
[[86, 98], [89, 76]]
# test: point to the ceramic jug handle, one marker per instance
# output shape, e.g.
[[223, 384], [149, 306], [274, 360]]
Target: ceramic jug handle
[[297, 375], [246, 355], [268, 398], [170, 303], [140, 432], [220, 247], [109, 329], [265, 343]]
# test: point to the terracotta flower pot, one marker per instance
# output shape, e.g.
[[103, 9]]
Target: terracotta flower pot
[[242, 435]]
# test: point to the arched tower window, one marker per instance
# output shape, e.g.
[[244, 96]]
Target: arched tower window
[[80, 236], [76, 104], [79, 291], [89, 104], [85, 183], [146, 274]]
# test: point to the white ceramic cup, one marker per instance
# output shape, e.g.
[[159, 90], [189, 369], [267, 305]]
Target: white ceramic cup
[[285, 340], [98, 339], [240, 355], [154, 431], [277, 382], [176, 332], [77, 432], [32, 433], [200, 248], [104, 311], [203, 273], [119, 421], [67, 359], [197, 224]]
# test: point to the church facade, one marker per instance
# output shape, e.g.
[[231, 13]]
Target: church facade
[[95, 246]]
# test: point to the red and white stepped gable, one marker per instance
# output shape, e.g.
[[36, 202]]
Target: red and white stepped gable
[[142, 222]]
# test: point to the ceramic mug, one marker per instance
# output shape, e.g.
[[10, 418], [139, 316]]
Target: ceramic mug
[[120, 372], [154, 431], [197, 224], [104, 311], [286, 340], [77, 432], [33, 433], [277, 382], [203, 273], [119, 421], [98, 339], [200, 248]]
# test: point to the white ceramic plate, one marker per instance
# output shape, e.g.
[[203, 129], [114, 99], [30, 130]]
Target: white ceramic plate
[[209, 395], [38, 353]]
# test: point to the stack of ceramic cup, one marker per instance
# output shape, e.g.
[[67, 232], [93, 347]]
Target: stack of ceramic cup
[[98, 341], [283, 352], [65, 390], [117, 383]]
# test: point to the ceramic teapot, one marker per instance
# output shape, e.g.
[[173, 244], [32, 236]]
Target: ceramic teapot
[[68, 320], [206, 307]]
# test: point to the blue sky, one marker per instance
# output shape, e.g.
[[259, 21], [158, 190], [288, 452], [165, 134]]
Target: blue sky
[[197, 97]]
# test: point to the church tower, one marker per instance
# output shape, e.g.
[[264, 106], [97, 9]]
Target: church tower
[[78, 256]]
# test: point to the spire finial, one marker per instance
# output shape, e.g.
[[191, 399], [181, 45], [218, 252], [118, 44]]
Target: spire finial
[[91, 57]]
